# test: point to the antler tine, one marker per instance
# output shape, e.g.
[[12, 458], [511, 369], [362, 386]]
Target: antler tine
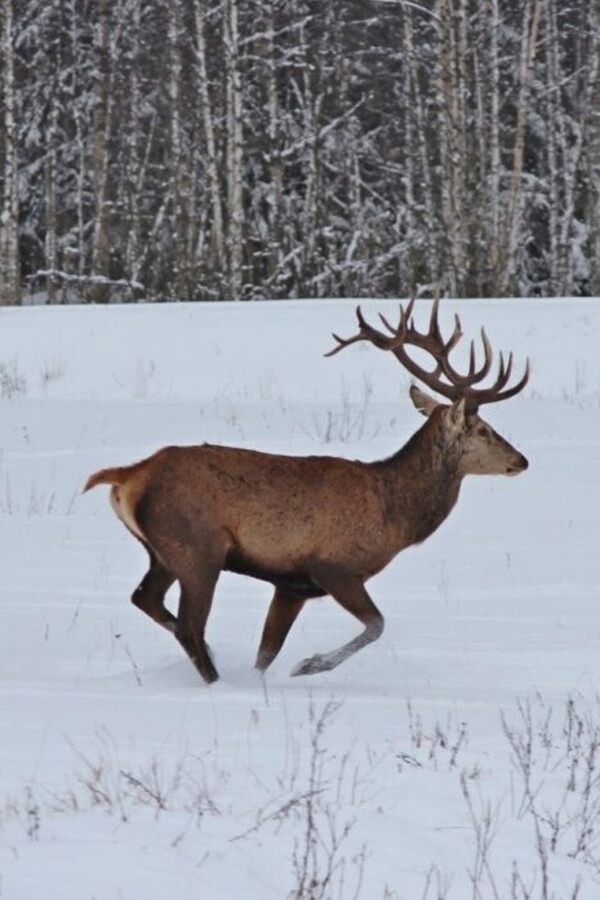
[[361, 319], [488, 357], [508, 369], [493, 395], [406, 314], [487, 352], [455, 336], [342, 343], [501, 379], [387, 325], [366, 332], [434, 325], [471, 359], [519, 385], [503, 373]]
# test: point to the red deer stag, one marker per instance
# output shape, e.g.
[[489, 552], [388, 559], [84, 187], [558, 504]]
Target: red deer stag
[[314, 525]]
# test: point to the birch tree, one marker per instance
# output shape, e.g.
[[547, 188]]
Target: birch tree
[[235, 148], [10, 276], [514, 215], [100, 152], [177, 180], [215, 247]]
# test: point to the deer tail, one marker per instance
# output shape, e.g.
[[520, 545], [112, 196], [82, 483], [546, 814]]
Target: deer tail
[[118, 475]]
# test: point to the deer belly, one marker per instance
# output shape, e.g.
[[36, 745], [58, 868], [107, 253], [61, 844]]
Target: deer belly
[[294, 580]]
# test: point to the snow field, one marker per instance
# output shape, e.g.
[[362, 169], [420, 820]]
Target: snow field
[[454, 758]]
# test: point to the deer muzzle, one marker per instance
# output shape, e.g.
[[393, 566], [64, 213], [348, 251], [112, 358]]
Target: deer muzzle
[[518, 465]]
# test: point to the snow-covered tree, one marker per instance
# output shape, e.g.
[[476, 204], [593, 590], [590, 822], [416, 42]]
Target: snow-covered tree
[[10, 279], [212, 148]]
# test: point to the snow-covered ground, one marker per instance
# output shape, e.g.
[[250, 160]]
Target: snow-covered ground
[[455, 758]]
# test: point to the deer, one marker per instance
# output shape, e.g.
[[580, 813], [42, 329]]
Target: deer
[[312, 526]]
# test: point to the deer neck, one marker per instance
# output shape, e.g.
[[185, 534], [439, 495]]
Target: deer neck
[[421, 483]]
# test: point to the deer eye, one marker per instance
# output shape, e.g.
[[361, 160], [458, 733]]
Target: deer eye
[[482, 431]]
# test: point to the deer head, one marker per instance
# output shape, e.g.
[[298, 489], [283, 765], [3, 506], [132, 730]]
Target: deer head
[[477, 448]]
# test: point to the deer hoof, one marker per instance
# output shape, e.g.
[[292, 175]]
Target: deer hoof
[[310, 666]]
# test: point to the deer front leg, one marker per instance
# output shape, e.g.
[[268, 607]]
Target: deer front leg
[[350, 592], [282, 614]]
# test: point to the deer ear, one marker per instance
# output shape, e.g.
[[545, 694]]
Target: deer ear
[[457, 414], [423, 402]]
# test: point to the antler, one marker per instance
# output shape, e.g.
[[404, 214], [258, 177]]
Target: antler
[[456, 386]]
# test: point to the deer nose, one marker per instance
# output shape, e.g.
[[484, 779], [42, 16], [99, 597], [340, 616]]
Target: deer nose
[[519, 465]]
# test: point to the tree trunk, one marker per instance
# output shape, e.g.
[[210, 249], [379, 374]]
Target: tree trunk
[[180, 286], [513, 222], [217, 237], [99, 293], [235, 150], [10, 276]]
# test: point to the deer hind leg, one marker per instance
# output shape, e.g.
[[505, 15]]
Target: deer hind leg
[[350, 592], [194, 554], [150, 593], [282, 614], [197, 589]]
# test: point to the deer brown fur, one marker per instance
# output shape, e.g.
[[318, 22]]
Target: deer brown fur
[[310, 526]]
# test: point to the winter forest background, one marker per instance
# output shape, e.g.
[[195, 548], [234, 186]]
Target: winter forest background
[[195, 149]]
